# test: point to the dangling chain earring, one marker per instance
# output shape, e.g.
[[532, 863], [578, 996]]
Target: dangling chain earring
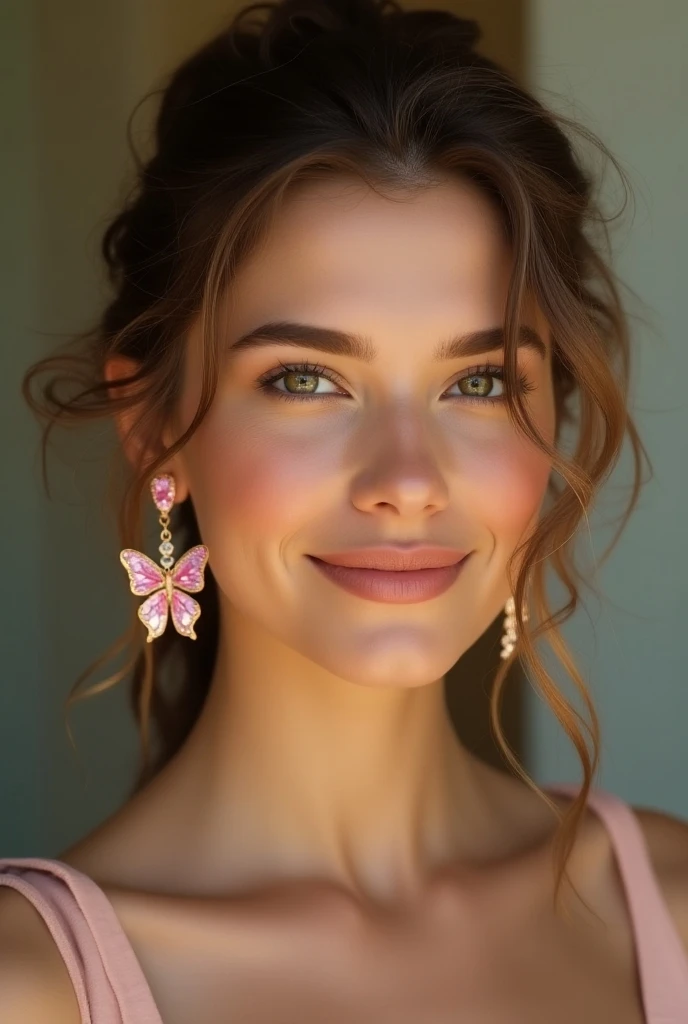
[[166, 584], [509, 636]]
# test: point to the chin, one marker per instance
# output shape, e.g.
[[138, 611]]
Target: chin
[[390, 658]]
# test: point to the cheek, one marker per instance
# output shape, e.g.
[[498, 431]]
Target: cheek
[[257, 485], [508, 484], [249, 481]]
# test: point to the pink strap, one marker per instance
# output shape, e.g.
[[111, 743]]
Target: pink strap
[[117, 992], [661, 958], [109, 982]]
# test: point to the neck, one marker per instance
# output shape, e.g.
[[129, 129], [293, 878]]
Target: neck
[[291, 772]]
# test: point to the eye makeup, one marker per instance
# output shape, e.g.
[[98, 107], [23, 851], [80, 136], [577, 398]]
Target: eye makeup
[[266, 382]]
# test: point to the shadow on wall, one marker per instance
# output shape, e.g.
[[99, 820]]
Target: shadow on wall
[[469, 684]]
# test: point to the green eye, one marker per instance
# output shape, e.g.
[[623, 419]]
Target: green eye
[[475, 384]]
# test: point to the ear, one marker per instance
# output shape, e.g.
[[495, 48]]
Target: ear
[[116, 368]]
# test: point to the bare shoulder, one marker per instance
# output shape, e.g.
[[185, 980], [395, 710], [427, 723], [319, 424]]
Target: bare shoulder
[[34, 981], [666, 837]]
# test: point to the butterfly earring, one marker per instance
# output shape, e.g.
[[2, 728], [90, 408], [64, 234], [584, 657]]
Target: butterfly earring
[[166, 585]]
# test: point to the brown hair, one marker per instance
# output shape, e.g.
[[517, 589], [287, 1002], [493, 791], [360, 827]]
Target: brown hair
[[396, 97]]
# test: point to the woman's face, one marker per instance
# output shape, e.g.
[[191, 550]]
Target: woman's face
[[367, 451]]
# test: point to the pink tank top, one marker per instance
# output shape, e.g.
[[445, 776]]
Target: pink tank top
[[111, 987]]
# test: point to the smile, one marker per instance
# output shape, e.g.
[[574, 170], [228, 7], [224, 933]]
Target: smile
[[394, 587]]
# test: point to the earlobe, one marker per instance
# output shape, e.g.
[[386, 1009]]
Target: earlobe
[[175, 467], [181, 488], [137, 453]]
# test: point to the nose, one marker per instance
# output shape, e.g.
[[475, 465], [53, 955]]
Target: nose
[[401, 469]]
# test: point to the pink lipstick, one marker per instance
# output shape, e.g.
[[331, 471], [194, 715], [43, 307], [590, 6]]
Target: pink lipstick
[[393, 574]]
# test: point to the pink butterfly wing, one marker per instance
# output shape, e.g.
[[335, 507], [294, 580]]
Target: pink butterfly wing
[[153, 614], [144, 575], [185, 611], [187, 572]]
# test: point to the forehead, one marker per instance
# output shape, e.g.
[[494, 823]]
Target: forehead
[[339, 242]]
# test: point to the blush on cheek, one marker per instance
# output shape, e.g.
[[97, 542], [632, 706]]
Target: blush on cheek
[[258, 486], [268, 495], [508, 484]]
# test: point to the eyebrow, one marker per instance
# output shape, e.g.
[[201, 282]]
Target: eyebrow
[[358, 346]]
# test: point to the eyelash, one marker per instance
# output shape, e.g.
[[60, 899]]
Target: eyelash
[[266, 380]]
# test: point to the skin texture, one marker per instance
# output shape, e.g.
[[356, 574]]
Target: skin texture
[[323, 847], [324, 747]]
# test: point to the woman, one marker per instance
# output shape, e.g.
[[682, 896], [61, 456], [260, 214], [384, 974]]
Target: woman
[[355, 303]]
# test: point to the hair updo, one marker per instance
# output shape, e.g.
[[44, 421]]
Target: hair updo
[[288, 92]]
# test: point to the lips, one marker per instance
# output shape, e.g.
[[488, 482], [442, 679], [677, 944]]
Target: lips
[[394, 559], [405, 586]]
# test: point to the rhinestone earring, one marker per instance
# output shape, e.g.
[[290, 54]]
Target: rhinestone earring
[[509, 636], [166, 585]]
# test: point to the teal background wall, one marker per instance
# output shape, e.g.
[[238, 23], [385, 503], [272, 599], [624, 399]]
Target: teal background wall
[[72, 73], [621, 68]]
